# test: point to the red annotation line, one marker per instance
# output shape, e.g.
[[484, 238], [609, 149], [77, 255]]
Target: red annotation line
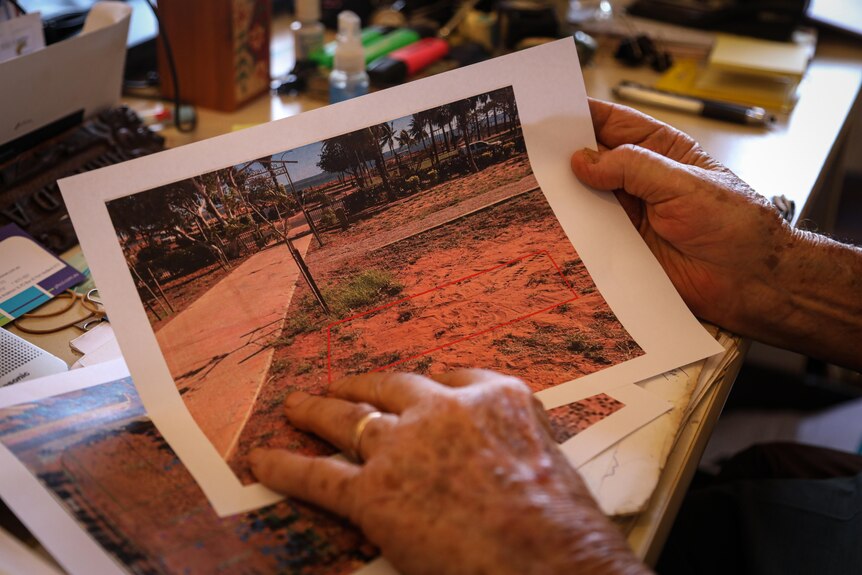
[[441, 287]]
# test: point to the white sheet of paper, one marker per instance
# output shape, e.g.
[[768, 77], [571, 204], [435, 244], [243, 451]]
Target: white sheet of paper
[[21, 36], [555, 119]]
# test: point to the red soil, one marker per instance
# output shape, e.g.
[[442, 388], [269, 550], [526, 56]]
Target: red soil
[[546, 349]]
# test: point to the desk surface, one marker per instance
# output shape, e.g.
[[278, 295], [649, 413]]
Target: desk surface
[[792, 158]]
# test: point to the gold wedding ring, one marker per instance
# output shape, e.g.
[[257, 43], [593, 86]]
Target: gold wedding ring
[[358, 431]]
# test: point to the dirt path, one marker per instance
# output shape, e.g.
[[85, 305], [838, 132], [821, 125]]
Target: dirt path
[[217, 349]]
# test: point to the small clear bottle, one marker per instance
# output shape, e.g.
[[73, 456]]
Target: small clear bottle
[[307, 30], [348, 78]]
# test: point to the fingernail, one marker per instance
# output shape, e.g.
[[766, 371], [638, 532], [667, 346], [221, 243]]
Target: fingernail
[[294, 398], [591, 156]]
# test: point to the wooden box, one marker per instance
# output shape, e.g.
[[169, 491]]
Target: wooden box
[[221, 50]]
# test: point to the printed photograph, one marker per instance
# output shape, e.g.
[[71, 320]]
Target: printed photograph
[[420, 244], [107, 466]]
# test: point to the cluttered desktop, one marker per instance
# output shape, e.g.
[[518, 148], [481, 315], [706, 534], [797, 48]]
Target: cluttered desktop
[[223, 203]]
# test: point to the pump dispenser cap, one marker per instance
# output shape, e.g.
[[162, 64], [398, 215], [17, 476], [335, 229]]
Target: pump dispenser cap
[[308, 10], [349, 53]]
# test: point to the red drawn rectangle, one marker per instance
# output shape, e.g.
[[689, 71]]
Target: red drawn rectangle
[[448, 314]]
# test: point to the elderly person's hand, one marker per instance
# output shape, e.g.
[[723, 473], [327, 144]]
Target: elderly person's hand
[[460, 475], [732, 258]]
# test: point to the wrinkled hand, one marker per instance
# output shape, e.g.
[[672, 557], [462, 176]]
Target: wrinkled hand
[[713, 235], [461, 475]]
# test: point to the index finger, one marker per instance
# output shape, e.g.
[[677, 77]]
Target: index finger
[[616, 125], [392, 392]]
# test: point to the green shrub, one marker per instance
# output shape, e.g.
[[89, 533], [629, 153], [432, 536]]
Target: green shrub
[[412, 184], [328, 218], [362, 291]]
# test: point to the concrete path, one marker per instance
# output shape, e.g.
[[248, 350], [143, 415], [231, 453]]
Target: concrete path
[[216, 349]]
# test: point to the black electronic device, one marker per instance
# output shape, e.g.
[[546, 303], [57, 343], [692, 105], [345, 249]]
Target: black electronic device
[[769, 19]]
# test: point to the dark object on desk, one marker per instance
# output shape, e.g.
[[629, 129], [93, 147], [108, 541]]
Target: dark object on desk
[[785, 206], [586, 46], [519, 19], [29, 195], [637, 50], [468, 53], [62, 26], [770, 19], [297, 79]]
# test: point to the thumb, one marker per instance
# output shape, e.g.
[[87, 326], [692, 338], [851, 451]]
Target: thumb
[[640, 172]]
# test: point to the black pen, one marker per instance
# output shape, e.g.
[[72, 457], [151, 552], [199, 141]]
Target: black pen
[[736, 113]]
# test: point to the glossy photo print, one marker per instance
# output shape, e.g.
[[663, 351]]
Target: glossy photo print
[[420, 244]]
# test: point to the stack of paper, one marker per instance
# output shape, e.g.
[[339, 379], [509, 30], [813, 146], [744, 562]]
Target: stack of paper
[[744, 70]]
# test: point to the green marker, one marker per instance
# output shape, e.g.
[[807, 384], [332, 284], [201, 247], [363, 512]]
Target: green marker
[[389, 43], [326, 55]]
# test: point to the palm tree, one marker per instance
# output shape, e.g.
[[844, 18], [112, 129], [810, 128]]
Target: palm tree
[[405, 139], [388, 137], [417, 131], [461, 110], [372, 138], [442, 117]]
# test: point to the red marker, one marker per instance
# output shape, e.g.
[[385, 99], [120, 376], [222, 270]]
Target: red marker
[[396, 66]]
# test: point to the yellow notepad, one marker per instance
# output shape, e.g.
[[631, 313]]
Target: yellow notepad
[[744, 70]]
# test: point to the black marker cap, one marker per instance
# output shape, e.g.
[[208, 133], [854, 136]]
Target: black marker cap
[[387, 71]]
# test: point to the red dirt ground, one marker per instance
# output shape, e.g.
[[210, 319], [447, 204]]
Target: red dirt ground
[[571, 340]]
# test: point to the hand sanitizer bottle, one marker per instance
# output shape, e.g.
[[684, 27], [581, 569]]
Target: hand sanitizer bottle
[[307, 30], [348, 78]]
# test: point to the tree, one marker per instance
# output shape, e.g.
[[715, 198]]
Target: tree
[[372, 138], [461, 111], [405, 139], [442, 118], [388, 137], [336, 158], [200, 184], [420, 121]]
